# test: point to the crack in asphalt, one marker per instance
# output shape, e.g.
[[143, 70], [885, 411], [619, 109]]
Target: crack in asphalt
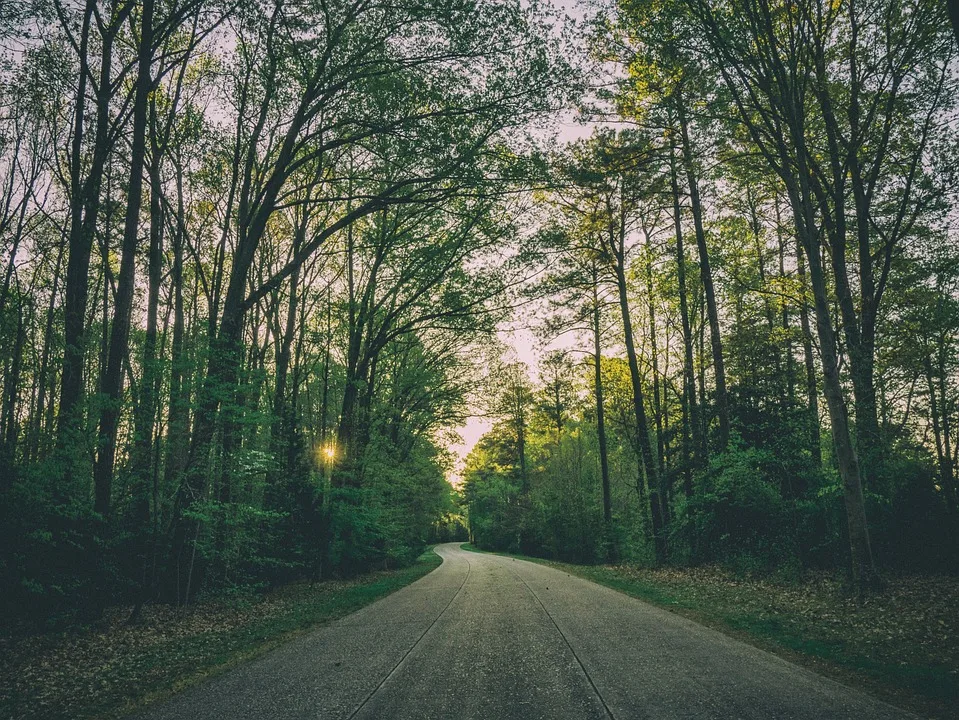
[[599, 696], [391, 673]]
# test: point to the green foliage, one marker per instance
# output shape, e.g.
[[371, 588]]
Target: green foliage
[[329, 247], [559, 515], [737, 512], [50, 552], [388, 518], [912, 523], [491, 494]]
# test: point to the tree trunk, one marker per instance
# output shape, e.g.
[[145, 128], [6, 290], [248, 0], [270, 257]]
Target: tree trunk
[[178, 413], [695, 455], [111, 384], [706, 275], [8, 415], [38, 430], [790, 399], [812, 386], [654, 358], [943, 456], [861, 559], [84, 208], [145, 411], [647, 457], [601, 412], [282, 437]]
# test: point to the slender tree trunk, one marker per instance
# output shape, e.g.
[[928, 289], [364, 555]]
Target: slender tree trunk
[[847, 174], [84, 212], [8, 417], [862, 564], [111, 384], [648, 458], [178, 417], [755, 227], [695, 455], [790, 400], [701, 365], [949, 478], [519, 422], [654, 358], [706, 275], [812, 386], [282, 437], [329, 452], [942, 452], [346, 430], [80, 242], [601, 412], [325, 400], [38, 431], [145, 412], [18, 231], [145, 415], [220, 386]]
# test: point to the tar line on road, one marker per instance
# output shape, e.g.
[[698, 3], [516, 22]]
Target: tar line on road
[[487, 637], [413, 647], [592, 684]]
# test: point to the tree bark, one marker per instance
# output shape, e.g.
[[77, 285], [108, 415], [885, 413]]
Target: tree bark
[[943, 455], [812, 386], [706, 275], [38, 430], [696, 454], [600, 409], [111, 384], [145, 412], [647, 457], [861, 559], [654, 359], [178, 408], [84, 208]]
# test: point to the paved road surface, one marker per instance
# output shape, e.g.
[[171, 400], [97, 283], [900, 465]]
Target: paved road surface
[[493, 638]]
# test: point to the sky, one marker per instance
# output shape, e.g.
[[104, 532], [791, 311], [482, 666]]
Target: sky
[[526, 347]]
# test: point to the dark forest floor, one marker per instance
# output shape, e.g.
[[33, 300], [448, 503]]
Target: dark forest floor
[[114, 668], [901, 644]]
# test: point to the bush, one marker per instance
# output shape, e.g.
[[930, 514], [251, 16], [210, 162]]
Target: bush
[[737, 514]]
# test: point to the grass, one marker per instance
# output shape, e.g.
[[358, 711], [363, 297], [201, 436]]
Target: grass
[[902, 644], [116, 669]]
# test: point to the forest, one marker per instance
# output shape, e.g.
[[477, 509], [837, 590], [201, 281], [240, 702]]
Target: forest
[[258, 256]]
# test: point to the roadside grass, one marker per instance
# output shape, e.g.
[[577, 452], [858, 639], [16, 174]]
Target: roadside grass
[[901, 644], [115, 669]]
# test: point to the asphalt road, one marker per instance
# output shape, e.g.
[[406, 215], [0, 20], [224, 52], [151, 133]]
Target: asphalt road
[[493, 638]]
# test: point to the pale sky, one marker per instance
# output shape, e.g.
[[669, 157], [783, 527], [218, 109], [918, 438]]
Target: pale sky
[[527, 349], [475, 427]]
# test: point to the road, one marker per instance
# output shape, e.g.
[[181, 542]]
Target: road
[[492, 638]]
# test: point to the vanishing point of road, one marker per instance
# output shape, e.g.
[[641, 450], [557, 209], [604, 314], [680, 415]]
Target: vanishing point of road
[[492, 638]]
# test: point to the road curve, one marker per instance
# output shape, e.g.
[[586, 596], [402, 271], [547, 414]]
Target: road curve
[[492, 638]]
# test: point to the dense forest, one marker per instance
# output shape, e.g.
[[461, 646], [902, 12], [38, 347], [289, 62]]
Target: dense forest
[[756, 255], [256, 257]]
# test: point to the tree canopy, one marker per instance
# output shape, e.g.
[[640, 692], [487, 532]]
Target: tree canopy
[[256, 255]]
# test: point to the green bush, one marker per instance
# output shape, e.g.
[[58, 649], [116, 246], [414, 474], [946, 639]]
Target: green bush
[[737, 513]]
